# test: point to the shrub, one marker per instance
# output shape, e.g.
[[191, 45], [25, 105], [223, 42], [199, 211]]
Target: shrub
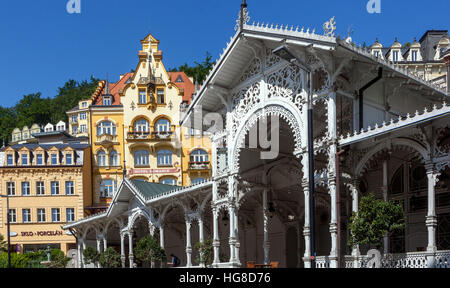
[[110, 259]]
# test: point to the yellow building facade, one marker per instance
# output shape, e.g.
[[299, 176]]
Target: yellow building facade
[[48, 186]]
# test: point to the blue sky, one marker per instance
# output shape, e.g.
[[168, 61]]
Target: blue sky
[[42, 46]]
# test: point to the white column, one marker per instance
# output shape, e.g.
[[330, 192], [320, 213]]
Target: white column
[[431, 219], [99, 246], [332, 132], [216, 240], [232, 242], [161, 240], [130, 248], [83, 243], [200, 229], [306, 227], [122, 249], [188, 243], [265, 213], [237, 244], [385, 197], [355, 208], [105, 242]]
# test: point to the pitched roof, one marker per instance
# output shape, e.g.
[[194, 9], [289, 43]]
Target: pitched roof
[[149, 189], [115, 90], [187, 85]]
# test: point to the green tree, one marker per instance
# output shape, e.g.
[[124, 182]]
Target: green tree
[[91, 255], [200, 71], [17, 260], [149, 250], [110, 259], [205, 252], [3, 244], [374, 220]]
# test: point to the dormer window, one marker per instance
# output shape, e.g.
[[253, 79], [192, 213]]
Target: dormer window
[[395, 56], [107, 101], [10, 160], [377, 54], [69, 159], [39, 159], [179, 79], [414, 55], [24, 159], [84, 104], [54, 159]]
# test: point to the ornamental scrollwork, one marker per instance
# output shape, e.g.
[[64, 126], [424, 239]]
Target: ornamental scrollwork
[[286, 83]]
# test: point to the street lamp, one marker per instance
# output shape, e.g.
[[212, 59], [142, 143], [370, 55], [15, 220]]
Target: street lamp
[[284, 53], [8, 225]]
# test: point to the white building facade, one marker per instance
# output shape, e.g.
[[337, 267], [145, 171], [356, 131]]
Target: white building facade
[[377, 129]]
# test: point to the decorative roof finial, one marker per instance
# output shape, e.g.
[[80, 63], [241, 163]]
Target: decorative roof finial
[[329, 27], [243, 17]]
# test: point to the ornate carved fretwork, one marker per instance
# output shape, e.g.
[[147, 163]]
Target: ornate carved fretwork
[[286, 83]]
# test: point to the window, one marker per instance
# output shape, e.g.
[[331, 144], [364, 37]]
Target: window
[[199, 156], [12, 215], [113, 158], [160, 95], [108, 188], [74, 118], [40, 188], [84, 104], [26, 215], [106, 127], [40, 215], [39, 159], [107, 101], [163, 125], [24, 159], [414, 55], [11, 188], [141, 158], [55, 187], [377, 54], [56, 215], [142, 97], [26, 189], [169, 181], [83, 128], [54, 158], [68, 159], [83, 116], [395, 56], [164, 158], [74, 130], [70, 188], [101, 158], [10, 159], [70, 214], [141, 125], [198, 181]]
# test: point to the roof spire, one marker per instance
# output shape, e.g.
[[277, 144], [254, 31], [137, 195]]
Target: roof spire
[[107, 91], [243, 17]]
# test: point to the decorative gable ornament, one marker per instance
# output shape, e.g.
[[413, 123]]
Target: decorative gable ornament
[[330, 27]]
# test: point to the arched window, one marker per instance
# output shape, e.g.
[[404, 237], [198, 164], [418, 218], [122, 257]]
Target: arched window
[[101, 158], [113, 158], [198, 181], [168, 181], [141, 158], [199, 155], [141, 125], [108, 188], [164, 157], [163, 125], [106, 127]]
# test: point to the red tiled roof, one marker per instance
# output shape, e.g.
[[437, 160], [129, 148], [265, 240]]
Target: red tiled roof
[[187, 85], [115, 89]]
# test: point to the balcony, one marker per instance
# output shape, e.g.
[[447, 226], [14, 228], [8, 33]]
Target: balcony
[[199, 166], [106, 140], [137, 136], [159, 135]]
